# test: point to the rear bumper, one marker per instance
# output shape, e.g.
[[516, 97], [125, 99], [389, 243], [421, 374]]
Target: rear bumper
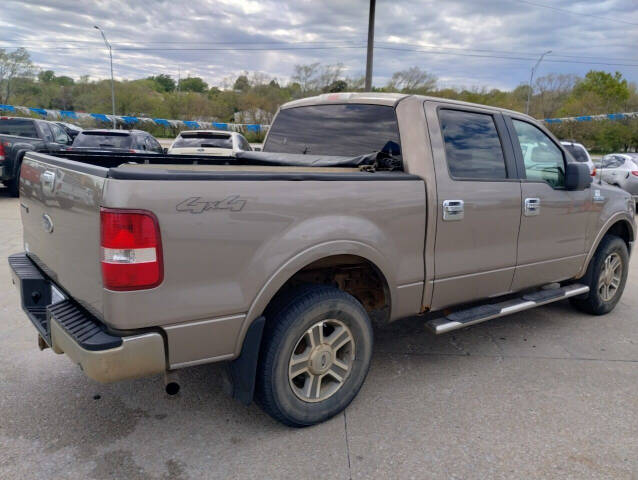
[[67, 328]]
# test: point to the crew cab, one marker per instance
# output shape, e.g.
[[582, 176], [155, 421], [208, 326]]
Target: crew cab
[[361, 206], [21, 135]]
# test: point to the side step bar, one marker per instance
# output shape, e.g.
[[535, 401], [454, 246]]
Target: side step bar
[[474, 315]]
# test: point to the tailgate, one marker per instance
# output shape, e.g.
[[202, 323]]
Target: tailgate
[[60, 208]]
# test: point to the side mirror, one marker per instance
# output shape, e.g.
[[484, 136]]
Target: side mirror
[[577, 176]]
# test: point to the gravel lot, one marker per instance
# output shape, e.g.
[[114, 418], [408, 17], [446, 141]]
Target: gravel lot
[[549, 393]]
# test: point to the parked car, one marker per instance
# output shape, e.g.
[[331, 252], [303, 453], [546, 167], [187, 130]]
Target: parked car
[[209, 142], [621, 170], [104, 140], [401, 205], [21, 135], [70, 129], [580, 154]]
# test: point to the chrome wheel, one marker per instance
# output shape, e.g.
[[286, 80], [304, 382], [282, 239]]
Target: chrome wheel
[[610, 277], [321, 360]]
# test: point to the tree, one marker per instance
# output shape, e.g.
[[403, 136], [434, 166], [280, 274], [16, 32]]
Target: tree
[[163, 82], [412, 80], [305, 76], [193, 84], [336, 86], [14, 65], [241, 84], [600, 92]]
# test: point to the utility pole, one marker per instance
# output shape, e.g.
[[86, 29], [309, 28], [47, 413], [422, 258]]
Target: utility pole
[[108, 45], [370, 46], [531, 78]]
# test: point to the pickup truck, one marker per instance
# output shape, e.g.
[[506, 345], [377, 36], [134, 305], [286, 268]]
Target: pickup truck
[[361, 207], [21, 135]]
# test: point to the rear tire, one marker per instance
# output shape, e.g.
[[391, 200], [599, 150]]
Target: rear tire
[[606, 277], [314, 356]]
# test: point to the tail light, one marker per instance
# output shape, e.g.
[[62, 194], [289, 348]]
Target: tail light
[[593, 172], [131, 249], [634, 172], [2, 152]]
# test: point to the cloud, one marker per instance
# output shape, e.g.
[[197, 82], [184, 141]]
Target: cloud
[[456, 40]]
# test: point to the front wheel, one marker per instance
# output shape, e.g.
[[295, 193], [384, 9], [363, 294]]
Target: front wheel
[[315, 355], [606, 277]]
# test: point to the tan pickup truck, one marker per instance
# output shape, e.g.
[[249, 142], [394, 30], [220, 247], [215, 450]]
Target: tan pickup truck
[[361, 206]]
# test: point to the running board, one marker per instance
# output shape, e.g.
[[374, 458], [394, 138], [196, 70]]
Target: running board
[[474, 315]]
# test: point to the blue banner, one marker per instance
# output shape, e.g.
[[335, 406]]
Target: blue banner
[[162, 121], [40, 111], [191, 124], [100, 116], [9, 108], [220, 126], [129, 120]]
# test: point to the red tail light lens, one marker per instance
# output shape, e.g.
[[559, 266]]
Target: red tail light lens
[[2, 152], [131, 250], [593, 172], [634, 172]]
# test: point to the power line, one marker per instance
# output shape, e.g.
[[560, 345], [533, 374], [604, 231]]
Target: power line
[[564, 10]]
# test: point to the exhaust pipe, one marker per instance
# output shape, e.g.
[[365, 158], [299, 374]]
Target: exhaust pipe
[[171, 384]]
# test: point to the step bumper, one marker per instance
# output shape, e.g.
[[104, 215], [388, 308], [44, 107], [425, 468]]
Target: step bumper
[[68, 328]]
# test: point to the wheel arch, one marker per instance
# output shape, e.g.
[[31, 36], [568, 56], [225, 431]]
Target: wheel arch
[[619, 225]]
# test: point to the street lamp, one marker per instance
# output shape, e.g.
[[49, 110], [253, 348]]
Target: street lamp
[[531, 78], [108, 45]]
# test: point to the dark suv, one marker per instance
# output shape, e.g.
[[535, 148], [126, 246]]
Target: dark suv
[[133, 141]]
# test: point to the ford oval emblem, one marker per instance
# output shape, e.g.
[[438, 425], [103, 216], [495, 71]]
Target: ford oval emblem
[[47, 223]]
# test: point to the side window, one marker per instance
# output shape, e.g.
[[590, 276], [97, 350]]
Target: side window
[[156, 147], [472, 146], [46, 131], [543, 159], [59, 135], [243, 144]]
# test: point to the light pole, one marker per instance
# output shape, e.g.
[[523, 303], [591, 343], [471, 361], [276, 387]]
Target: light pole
[[370, 46], [108, 45], [531, 78]]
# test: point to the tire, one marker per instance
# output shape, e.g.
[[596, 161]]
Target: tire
[[14, 187], [602, 298], [306, 325]]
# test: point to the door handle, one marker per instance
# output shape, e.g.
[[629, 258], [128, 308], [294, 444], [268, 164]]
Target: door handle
[[453, 210], [47, 179], [532, 207]]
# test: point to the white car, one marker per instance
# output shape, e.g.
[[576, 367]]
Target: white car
[[209, 142], [580, 154]]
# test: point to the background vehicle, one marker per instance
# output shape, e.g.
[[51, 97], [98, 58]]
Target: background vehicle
[[209, 142], [133, 141], [621, 170], [401, 205], [70, 129], [21, 135], [580, 154]]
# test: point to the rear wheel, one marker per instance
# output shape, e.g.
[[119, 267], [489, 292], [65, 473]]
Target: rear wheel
[[315, 355], [606, 277]]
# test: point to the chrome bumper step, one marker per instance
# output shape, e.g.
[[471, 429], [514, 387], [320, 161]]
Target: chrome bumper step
[[482, 313]]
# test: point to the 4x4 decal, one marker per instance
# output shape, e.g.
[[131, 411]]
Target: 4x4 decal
[[234, 203]]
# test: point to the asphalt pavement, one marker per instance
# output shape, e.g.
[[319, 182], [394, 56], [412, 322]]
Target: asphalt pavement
[[547, 393]]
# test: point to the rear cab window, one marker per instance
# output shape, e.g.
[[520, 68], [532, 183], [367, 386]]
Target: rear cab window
[[103, 139], [203, 140], [18, 127], [473, 148], [346, 130]]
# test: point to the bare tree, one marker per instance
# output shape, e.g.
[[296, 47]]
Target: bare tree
[[412, 80], [305, 76], [551, 92], [16, 64]]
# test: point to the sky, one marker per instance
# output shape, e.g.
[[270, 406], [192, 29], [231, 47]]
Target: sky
[[456, 40]]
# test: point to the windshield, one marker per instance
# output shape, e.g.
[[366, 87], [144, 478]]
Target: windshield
[[204, 140], [103, 140], [18, 127], [337, 130], [579, 153]]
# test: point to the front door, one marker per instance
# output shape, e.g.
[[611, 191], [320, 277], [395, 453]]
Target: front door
[[551, 245], [479, 204]]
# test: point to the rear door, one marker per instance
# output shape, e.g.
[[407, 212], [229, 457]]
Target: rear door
[[479, 204], [551, 245]]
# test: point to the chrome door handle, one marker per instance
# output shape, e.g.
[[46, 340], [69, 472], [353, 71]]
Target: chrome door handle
[[532, 207], [453, 210], [48, 179]]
